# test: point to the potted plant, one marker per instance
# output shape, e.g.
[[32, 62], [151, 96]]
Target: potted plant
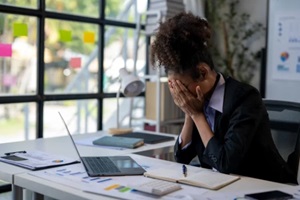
[[233, 34]]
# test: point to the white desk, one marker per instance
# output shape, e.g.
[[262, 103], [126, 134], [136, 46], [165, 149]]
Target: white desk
[[161, 150], [51, 189], [62, 145], [236, 189], [20, 178], [247, 185], [52, 145], [60, 191]]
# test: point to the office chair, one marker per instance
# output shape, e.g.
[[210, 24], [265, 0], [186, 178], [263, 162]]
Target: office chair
[[285, 127]]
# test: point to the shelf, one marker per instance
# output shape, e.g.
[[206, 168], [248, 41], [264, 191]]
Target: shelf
[[155, 77]]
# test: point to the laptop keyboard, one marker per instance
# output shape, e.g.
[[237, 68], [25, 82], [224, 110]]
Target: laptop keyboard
[[102, 164]]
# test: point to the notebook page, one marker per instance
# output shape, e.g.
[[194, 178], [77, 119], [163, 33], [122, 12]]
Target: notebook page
[[209, 179]]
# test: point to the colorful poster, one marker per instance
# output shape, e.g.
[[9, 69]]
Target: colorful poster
[[20, 29], [5, 50], [286, 47], [89, 37]]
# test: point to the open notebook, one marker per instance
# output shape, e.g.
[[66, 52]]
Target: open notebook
[[195, 176]]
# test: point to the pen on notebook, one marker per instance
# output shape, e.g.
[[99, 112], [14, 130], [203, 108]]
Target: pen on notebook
[[11, 153], [184, 170]]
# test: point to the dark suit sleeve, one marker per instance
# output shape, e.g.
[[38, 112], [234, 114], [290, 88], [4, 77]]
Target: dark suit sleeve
[[184, 155], [226, 153]]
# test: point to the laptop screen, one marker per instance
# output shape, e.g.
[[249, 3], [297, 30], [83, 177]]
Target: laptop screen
[[97, 166], [70, 135]]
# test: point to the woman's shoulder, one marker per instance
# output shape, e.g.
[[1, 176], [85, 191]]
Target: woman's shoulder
[[238, 94], [238, 88]]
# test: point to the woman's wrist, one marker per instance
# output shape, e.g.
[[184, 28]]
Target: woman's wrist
[[188, 119], [198, 116]]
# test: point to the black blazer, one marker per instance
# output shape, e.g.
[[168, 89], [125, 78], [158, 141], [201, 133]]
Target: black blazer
[[242, 142]]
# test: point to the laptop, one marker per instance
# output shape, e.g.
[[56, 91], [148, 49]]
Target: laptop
[[107, 165]]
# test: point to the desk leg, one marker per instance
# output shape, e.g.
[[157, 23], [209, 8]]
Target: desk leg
[[17, 192], [38, 196], [27, 194]]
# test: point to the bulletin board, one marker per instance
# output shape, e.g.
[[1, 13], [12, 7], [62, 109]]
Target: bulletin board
[[283, 50]]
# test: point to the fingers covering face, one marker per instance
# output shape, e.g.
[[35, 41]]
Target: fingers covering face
[[184, 99], [182, 96], [177, 87], [175, 92]]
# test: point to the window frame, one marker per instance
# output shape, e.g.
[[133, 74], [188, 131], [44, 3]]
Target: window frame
[[40, 97]]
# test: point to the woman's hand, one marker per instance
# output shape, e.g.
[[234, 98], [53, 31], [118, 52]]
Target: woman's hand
[[185, 100]]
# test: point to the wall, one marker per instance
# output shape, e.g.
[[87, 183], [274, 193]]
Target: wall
[[258, 12]]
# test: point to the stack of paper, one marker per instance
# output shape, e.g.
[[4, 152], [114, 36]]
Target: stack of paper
[[161, 10]]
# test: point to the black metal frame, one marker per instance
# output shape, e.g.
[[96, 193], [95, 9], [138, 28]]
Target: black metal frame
[[264, 52], [40, 97], [278, 106]]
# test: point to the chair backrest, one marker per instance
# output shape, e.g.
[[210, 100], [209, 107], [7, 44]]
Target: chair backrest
[[285, 126]]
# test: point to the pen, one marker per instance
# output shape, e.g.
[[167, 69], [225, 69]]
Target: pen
[[11, 153], [184, 170]]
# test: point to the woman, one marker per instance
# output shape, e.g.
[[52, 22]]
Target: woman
[[226, 124]]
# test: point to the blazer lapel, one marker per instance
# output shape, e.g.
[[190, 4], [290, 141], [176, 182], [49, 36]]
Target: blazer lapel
[[217, 125]]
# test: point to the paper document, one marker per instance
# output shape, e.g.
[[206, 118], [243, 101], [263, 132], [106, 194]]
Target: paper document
[[36, 159], [74, 176]]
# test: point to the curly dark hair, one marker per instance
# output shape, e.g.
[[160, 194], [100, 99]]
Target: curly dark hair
[[181, 43]]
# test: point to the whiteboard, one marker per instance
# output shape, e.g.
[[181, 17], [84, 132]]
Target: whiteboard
[[283, 50]]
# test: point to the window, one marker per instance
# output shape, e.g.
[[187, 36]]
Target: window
[[18, 57], [17, 122], [65, 55], [80, 115], [21, 3], [89, 8], [119, 53], [68, 56]]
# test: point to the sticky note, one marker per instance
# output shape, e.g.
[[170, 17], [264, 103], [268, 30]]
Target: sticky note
[[75, 62], [125, 189], [20, 29], [65, 35], [5, 50], [88, 37], [112, 187]]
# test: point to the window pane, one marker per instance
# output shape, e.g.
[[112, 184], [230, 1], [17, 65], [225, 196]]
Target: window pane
[[18, 54], [88, 8], [118, 53], [80, 116], [124, 10], [71, 57], [110, 110], [17, 122], [20, 3]]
